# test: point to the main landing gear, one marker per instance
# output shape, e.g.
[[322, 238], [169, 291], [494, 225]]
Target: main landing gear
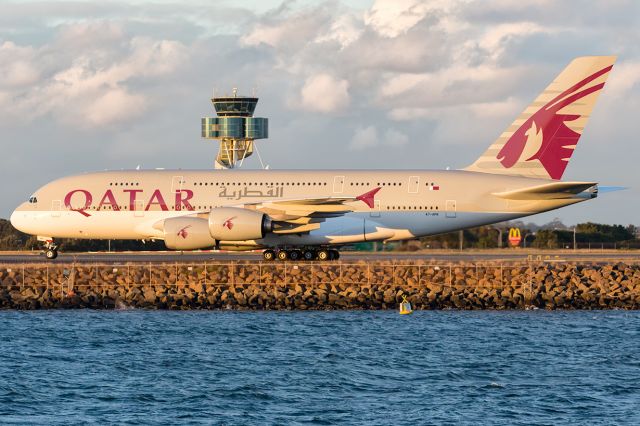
[[51, 250], [305, 254]]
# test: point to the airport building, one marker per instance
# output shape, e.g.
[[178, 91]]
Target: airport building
[[235, 128]]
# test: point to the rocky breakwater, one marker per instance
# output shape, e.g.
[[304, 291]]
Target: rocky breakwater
[[304, 286]]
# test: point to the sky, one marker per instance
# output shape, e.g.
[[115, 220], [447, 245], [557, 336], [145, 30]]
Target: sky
[[407, 84]]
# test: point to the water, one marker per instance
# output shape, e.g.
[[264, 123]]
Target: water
[[451, 367]]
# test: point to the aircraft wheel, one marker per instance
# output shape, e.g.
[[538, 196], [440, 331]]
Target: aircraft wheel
[[335, 255], [269, 255], [295, 255], [283, 255], [323, 255], [309, 255], [51, 254]]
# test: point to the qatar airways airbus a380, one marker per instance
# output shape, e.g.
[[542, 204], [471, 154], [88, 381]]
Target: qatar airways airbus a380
[[307, 214]]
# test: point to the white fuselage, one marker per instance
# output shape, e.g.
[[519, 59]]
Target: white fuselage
[[409, 204]]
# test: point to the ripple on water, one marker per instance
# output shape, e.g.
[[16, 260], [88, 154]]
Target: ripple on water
[[133, 366]]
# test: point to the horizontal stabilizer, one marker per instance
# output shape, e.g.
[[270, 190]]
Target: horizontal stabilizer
[[549, 191]]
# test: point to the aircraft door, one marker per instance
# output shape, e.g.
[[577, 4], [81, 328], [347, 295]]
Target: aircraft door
[[56, 208], [176, 184], [451, 209], [414, 183], [338, 184]]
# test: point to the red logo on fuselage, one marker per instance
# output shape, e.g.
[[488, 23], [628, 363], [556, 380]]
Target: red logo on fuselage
[[183, 232], [228, 223], [548, 138]]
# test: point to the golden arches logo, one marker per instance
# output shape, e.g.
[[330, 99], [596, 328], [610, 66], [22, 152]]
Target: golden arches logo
[[514, 236]]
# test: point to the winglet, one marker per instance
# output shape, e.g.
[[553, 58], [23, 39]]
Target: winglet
[[368, 197]]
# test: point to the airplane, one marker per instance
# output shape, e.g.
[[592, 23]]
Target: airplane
[[308, 214]]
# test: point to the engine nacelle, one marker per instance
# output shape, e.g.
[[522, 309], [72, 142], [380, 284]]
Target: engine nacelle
[[187, 233], [236, 224]]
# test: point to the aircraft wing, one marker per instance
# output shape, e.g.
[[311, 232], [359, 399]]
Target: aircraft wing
[[306, 214]]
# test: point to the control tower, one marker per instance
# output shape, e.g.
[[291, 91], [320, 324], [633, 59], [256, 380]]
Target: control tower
[[235, 127]]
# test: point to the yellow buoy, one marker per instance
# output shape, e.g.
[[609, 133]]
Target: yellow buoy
[[405, 306]]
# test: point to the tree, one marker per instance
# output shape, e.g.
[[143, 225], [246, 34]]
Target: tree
[[546, 238]]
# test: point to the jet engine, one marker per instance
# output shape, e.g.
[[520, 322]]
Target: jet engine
[[236, 224], [187, 233]]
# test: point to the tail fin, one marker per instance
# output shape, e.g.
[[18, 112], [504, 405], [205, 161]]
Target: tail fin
[[540, 142]]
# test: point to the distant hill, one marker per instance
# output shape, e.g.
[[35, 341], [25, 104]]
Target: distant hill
[[12, 239]]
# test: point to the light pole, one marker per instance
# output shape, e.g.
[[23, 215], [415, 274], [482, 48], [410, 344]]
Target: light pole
[[499, 236]]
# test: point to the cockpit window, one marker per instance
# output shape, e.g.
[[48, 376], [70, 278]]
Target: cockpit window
[[33, 199]]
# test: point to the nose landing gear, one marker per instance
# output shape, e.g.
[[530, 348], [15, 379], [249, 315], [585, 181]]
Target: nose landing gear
[[51, 249]]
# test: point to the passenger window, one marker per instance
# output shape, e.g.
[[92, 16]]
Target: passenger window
[[33, 200]]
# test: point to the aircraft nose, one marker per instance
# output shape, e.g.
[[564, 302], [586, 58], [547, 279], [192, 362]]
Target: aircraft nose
[[17, 219]]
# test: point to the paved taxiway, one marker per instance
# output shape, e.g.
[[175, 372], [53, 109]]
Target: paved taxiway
[[198, 257]]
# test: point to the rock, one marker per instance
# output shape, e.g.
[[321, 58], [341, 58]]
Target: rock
[[197, 287], [239, 297], [372, 285], [149, 295]]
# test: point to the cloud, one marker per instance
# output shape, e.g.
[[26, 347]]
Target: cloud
[[113, 106], [345, 30], [459, 85], [495, 40], [391, 18], [285, 29], [16, 66], [89, 35], [363, 138], [395, 137], [367, 137], [624, 79], [325, 93], [95, 87]]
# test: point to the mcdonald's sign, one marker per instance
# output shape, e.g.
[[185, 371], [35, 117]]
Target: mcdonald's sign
[[514, 237]]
